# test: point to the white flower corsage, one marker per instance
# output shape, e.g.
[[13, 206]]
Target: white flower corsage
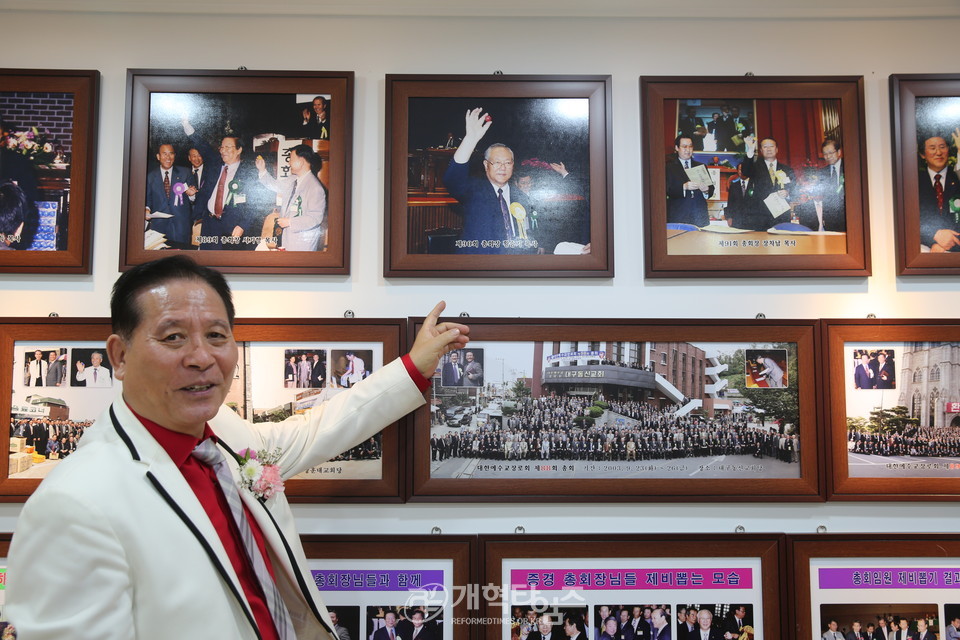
[[259, 473]]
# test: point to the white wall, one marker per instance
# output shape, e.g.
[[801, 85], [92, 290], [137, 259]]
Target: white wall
[[624, 47]]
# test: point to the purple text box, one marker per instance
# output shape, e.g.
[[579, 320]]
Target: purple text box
[[345, 580], [889, 578]]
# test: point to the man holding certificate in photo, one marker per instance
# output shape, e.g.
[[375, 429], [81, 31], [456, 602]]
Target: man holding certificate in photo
[[688, 186]]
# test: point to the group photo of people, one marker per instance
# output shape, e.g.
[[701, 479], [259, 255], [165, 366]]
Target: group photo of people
[[755, 165], [885, 622], [237, 172], [517, 168], [403, 623], [875, 369]]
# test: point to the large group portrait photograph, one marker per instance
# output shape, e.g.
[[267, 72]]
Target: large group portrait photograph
[[894, 418], [644, 410], [926, 132], [47, 129], [755, 176], [498, 175], [249, 171]]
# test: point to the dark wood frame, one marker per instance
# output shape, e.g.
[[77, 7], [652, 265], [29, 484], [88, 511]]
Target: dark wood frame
[[390, 332], [462, 550], [840, 486], [398, 262], [801, 548], [85, 86], [770, 548], [339, 84], [807, 488], [904, 90], [655, 90]]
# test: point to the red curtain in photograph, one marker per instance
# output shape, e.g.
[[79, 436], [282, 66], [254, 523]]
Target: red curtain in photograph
[[796, 125]]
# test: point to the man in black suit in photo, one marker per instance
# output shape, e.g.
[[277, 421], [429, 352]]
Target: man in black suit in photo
[[545, 629], [769, 175], [686, 200], [828, 192], [938, 189]]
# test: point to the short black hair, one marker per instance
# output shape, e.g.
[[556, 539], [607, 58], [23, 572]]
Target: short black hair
[[836, 144], [680, 137], [576, 620], [125, 312], [13, 207]]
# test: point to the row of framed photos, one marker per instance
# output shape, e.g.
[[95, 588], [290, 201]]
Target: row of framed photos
[[754, 586], [564, 409], [809, 217]]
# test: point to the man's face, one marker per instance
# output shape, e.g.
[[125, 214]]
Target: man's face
[[692, 616], [298, 166], [333, 618], [831, 154], [303, 357], [469, 357], [544, 625], [936, 152], [882, 357], [38, 355], [604, 612], [499, 166], [178, 364], [903, 623], [390, 619], [882, 622], [856, 626], [525, 183], [229, 151], [569, 628], [316, 358], [319, 106], [96, 359], [166, 156], [921, 625], [610, 626], [864, 360], [624, 615], [769, 149], [417, 620], [195, 158], [454, 358], [685, 149], [657, 618], [635, 613], [736, 112], [53, 356], [833, 625], [705, 618], [740, 612]]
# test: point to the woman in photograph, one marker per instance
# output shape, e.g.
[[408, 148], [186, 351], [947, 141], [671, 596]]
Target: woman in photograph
[[290, 374]]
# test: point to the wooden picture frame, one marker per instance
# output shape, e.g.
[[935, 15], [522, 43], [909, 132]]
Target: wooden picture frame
[[560, 215], [850, 576], [357, 558], [587, 565], [819, 227], [917, 104], [281, 228], [365, 473], [897, 454], [51, 120], [474, 441]]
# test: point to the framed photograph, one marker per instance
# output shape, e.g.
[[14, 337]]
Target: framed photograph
[[926, 186], [61, 381], [250, 170], [893, 409], [496, 176], [749, 176], [872, 584], [420, 585], [673, 585], [621, 410], [48, 129]]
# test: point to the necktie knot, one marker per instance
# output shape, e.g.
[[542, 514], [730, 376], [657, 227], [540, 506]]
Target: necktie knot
[[207, 453]]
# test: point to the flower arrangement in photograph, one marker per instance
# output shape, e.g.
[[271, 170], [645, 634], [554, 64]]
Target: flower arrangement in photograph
[[38, 147], [259, 473]]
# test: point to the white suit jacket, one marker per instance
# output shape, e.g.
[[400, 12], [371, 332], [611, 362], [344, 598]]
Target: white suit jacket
[[114, 543]]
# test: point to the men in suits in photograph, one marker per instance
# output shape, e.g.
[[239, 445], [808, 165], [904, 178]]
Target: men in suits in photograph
[[826, 210], [640, 622], [938, 188], [864, 376], [688, 626], [304, 371], [37, 370], [317, 371], [924, 631], [744, 210], [573, 626], [886, 372], [356, 369], [472, 371], [154, 490], [856, 632], [339, 630], [494, 210], [953, 629], [769, 175], [389, 629], [624, 628], [724, 130], [452, 373], [238, 204], [56, 370], [303, 201], [316, 120], [166, 195], [705, 629], [96, 375], [199, 183], [686, 200], [545, 629], [659, 625], [690, 126], [832, 633], [733, 624], [741, 127], [419, 631], [882, 631], [903, 632]]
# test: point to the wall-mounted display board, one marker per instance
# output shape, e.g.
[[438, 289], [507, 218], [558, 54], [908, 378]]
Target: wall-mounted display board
[[621, 410], [753, 176], [728, 584], [47, 165], [274, 150], [375, 583], [889, 582], [892, 408], [61, 381]]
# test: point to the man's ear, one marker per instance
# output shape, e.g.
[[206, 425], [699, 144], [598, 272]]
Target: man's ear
[[117, 353]]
